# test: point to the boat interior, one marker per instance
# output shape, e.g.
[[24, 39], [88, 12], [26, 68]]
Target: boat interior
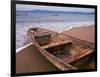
[[70, 54]]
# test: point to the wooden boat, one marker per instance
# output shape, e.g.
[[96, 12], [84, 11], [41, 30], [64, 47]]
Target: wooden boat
[[65, 52]]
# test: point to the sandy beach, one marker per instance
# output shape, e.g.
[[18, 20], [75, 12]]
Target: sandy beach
[[84, 33]]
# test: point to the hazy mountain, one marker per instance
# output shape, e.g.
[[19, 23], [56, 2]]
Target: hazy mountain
[[48, 11]]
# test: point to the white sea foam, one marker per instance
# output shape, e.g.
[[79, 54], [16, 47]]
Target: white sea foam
[[21, 48], [21, 30]]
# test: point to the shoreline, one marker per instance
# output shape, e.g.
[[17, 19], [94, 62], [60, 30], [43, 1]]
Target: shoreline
[[79, 26], [72, 30], [85, 33]]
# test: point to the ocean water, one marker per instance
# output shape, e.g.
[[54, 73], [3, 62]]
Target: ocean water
[[57, 22]]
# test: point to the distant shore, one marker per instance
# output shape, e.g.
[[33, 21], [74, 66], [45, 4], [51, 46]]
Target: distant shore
[[85, 33]]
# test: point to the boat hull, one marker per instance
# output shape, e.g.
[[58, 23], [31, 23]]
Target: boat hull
[[80, 50]]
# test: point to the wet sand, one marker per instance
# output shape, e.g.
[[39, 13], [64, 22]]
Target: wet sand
[[30, 60], [84, 33]]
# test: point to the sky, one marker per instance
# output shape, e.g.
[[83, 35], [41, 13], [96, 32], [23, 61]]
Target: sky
[[53, 8]]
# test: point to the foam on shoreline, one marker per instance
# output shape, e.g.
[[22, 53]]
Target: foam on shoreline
[[21, 28]]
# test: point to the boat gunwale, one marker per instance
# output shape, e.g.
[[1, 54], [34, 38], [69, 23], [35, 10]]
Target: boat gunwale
[[67, 35], [65, 65]]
